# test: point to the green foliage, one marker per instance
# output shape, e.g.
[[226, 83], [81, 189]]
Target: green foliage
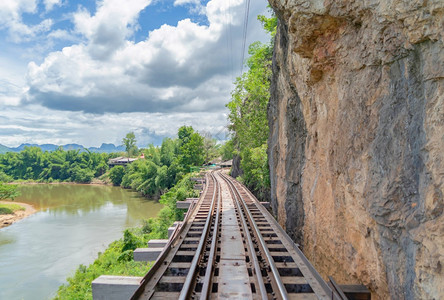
[[226, 151], [164, 166], [118, 258], [152, 176], [116, 174], [59, 165], [6, 208], [191, 148], [5, 211], [130, 241], [255, 160], [5, 178], [130, 144], [8, 191], [248, 107], [167, 152], [210, 146], [158, 228], [114, 261], [248, 114], [269, 24]]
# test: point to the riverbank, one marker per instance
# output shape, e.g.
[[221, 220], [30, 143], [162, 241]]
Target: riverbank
[[118, 259], [95, 181], [6, 220]]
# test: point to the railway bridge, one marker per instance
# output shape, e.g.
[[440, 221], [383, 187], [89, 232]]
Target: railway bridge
[[230, 247]]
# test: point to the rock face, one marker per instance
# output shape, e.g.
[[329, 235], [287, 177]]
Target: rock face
[[356, 145]]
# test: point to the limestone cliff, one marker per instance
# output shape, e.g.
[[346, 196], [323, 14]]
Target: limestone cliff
[[356, 145]]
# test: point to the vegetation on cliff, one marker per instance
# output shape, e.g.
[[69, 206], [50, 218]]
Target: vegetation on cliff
[[248, 114]]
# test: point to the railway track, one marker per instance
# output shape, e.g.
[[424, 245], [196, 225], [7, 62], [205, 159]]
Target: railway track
[[229, 246]]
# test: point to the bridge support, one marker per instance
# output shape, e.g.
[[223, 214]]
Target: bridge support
[[186, 203], [157, 243], [108, 287], [146, 254]]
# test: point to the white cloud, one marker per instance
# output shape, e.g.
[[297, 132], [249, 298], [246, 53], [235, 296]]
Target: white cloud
[[11, 20], [11, 82], [49, 4], [63, 127], [195, 6], [105, 85], [108, 29], [177, 68], [183, 2]]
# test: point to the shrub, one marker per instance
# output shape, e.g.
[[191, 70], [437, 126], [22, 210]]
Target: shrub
[[116, 174]]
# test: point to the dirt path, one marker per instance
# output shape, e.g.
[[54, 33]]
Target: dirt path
[[6, 220]]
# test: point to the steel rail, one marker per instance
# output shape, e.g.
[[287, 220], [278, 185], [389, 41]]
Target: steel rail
[[186, 289], [206, 288], [257, 268], [160, 260], [274, 270], [312, 271]]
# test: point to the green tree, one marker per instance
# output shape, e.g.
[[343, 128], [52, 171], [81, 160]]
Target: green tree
[[167, 152], [8, 191], [130, 144], [191, 151], [227, 150], [248, 113], [116, 174], [255, 161], [210, 146]]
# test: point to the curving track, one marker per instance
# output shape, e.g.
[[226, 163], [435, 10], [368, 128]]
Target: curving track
[[229, 246]]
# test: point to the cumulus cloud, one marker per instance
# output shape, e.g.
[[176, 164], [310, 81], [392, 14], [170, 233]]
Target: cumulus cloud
[[182, 2], [11, 20], [195, 6], [183, 68], [49, 4], [23, 125], [107, 30]]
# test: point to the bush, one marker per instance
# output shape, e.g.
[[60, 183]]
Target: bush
[[118, 258], [116, 174], [113, 261], [8, 191]]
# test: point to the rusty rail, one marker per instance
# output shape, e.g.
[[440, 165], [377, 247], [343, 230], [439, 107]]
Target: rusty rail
[[277, 279], [186, 290], [192, 263]]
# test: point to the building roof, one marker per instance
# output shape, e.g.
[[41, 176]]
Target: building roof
[[121, 160]]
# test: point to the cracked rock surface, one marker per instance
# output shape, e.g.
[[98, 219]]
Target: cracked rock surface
[[356, 145]]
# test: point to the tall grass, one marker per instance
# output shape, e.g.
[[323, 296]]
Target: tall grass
[[6, 209]]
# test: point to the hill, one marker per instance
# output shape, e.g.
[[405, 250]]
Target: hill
[[104, 148]]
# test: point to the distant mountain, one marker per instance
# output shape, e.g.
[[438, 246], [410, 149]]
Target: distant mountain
[[104, 148], [3, 149], [44, 147], [107, 148]]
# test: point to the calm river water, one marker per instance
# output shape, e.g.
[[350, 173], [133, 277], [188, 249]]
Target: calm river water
[[73, 223]]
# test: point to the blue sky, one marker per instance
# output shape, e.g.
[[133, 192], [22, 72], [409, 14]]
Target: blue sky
[[90, 71]]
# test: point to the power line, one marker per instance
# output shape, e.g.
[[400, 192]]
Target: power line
[[244, 37], [229, 38]]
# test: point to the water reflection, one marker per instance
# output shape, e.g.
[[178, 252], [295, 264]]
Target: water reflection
[[74, 222]]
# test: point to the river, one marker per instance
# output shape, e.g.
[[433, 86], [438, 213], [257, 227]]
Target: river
[[73, 223]]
